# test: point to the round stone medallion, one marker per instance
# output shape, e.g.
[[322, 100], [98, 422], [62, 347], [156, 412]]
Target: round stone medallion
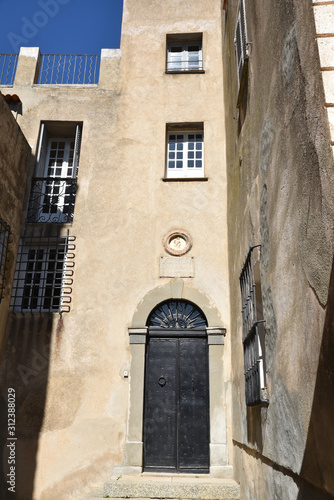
[[177, 242]]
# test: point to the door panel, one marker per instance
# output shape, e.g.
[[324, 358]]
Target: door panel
[[176, 412], [160, 404], [194, 403]]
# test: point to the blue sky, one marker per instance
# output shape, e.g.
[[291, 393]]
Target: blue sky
[[60, 26]]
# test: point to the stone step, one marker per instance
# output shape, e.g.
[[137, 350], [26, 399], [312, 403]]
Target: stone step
[[166, 486]]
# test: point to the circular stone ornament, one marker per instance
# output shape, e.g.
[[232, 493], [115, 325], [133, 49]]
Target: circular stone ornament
[[177, 242]]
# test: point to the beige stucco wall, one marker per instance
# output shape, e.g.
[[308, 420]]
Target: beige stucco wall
[[280, 185], [72, 395], [14, 161]]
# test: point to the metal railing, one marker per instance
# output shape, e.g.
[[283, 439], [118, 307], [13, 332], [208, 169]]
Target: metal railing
[[193, 65], [52, 200], [62, 69], [8, 63]]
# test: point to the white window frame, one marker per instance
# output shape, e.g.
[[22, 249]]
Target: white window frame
[[181, 152], [52, 193], [182, 60]]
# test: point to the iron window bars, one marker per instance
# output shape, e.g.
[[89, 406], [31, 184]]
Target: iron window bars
[[44, 273], [240, 41], [4, 246], [255, 390], [53, 192]]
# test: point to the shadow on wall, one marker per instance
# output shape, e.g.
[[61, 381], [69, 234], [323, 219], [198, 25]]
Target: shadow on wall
[[318, 462], [24, 374]]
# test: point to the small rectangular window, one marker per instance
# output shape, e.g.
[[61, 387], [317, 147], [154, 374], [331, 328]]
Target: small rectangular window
[[44, 271], [184, 52], [4, 245], [241, 40], [253, 331], [185, 152], [54, 185]]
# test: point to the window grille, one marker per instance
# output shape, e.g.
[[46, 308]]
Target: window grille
[[241, 40], [44, 273], [252, 327], [4, 245]]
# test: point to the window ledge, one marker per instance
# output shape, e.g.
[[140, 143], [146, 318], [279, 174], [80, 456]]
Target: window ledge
[[184, 179], [184, 71]]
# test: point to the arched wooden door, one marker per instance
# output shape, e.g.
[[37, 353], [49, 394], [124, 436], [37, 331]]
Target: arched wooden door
[[176, 407]]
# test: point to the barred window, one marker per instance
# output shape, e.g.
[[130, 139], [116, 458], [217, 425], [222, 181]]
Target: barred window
[[44, 273], [253, 330], [241, 40], [4, 244]]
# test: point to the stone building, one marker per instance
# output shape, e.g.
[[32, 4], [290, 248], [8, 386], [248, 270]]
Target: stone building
[[168, 324]]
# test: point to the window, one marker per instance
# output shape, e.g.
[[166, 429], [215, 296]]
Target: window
[[43, 275], [185, 152], [184, 52], [4, 244], [253, 330], [54, 186], [241, 42]]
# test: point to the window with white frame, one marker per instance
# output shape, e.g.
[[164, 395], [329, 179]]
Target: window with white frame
[[43, 276], [253, 330], [54, 185], [241, 40], [4, 245], [185, 152], [184, 52]]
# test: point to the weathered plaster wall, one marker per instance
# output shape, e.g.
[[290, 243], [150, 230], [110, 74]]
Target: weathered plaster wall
[[14, 161], [280, 185], [123, 210]]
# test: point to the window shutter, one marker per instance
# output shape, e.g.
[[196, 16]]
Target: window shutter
[[241, 39], [77, 144], [41, 151]]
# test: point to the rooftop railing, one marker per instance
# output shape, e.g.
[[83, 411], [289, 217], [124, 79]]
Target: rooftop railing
[[8, 63], [62, 69]]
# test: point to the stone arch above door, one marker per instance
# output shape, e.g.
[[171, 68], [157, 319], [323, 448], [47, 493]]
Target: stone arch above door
[[176, 289]]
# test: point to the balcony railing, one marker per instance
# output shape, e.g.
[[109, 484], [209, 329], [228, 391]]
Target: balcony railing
[[60, 69], [8, 63], [193, 65], [52, 200]]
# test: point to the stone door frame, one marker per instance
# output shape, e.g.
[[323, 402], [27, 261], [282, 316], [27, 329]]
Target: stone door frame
[[176, 289]]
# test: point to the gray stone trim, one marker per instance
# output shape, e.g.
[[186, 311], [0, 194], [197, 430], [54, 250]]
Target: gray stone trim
[[216, 335], [138, 335]]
